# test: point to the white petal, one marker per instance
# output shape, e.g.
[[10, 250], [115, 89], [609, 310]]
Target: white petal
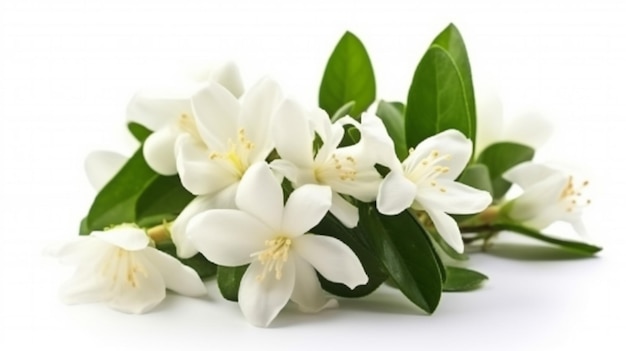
[[85, 286], [101, 166], [378, 142], [307, 292], [293, 138], [260, 195], [228, 237], [148, 291], [127, 238], [305, 208], [286, 169], [332, 258], [527, 174], [450, 142], [396, 194], [155, 110], [453, 197], [534, 201], [158, 150], [216, 111], [262, 300], [177, 277], [198, 173], [229, 77], [78, 251], [331, 141], [448, 229], [184, 247], [346, 213], [257, 110], [530, 129], [579, 226]]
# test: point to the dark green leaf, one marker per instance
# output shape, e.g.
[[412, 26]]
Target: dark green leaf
[[441, 95], [355, 239], [115, 203], [229, 279], [164, 196], [477, 176], [349, 76], [463, 279], [138, 131], [575, 246], [407, 255], [499, 158], [393, 119], [201, 265]]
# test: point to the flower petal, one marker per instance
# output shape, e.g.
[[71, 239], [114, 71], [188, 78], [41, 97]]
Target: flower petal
[[292, 135], [216, 111], [448, 229], [307, 291], [346, 213], [286, 169], [257, 110], [154, 110], [537, 199], [101, 167], [332, 258], [79, 250], [378, 142], [228, 76], [449, 142], [199, 174], [85, 287], [158, 150], [177, 277], [148, 289], [305, 208], [527, 174], [128, 238], [453, 197], [262, 300], [260, 195], [395, 195], [228, 237]]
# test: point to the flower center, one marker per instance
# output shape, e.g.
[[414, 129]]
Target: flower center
[[572, 195], [236, 158], [188, 125], [426, 170], [274, 256], [123, 267], [336, 168]]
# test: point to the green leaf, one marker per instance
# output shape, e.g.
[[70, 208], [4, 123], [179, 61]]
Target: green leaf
[[355, 239], [164, 196], [441, 95], [201, 265], [342, 111], [407, 255], [229, 279], [463, 279], [477, 176], [393, 119], [115, 203], [349, 76], [574, 246], [140, 132], [499, 158], [83, 228]]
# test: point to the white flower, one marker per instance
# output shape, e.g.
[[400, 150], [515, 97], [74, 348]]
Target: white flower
[[425, 181], [273, 238], [168, 113], [347, 170], [119, 267], [102, 166], [530, 128], [549, 195]]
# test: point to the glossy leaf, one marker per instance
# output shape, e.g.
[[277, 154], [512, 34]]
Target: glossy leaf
[[405, 251], [574, 246], [356, 240], [164, 196], [499, 158], [463, 279], [228, 281], [138, 131], [441, 95], [477, 176], [349, 76], [393, 119]]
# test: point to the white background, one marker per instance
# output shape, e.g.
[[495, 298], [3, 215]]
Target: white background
[[68, 68]]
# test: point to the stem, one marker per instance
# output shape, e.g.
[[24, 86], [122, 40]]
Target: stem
[[160, 232]]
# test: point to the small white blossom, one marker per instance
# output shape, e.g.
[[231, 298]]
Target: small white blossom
[[273, 238], [549, 195], [119, 267]]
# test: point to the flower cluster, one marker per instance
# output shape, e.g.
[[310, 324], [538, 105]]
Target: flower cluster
[[291, 203]]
